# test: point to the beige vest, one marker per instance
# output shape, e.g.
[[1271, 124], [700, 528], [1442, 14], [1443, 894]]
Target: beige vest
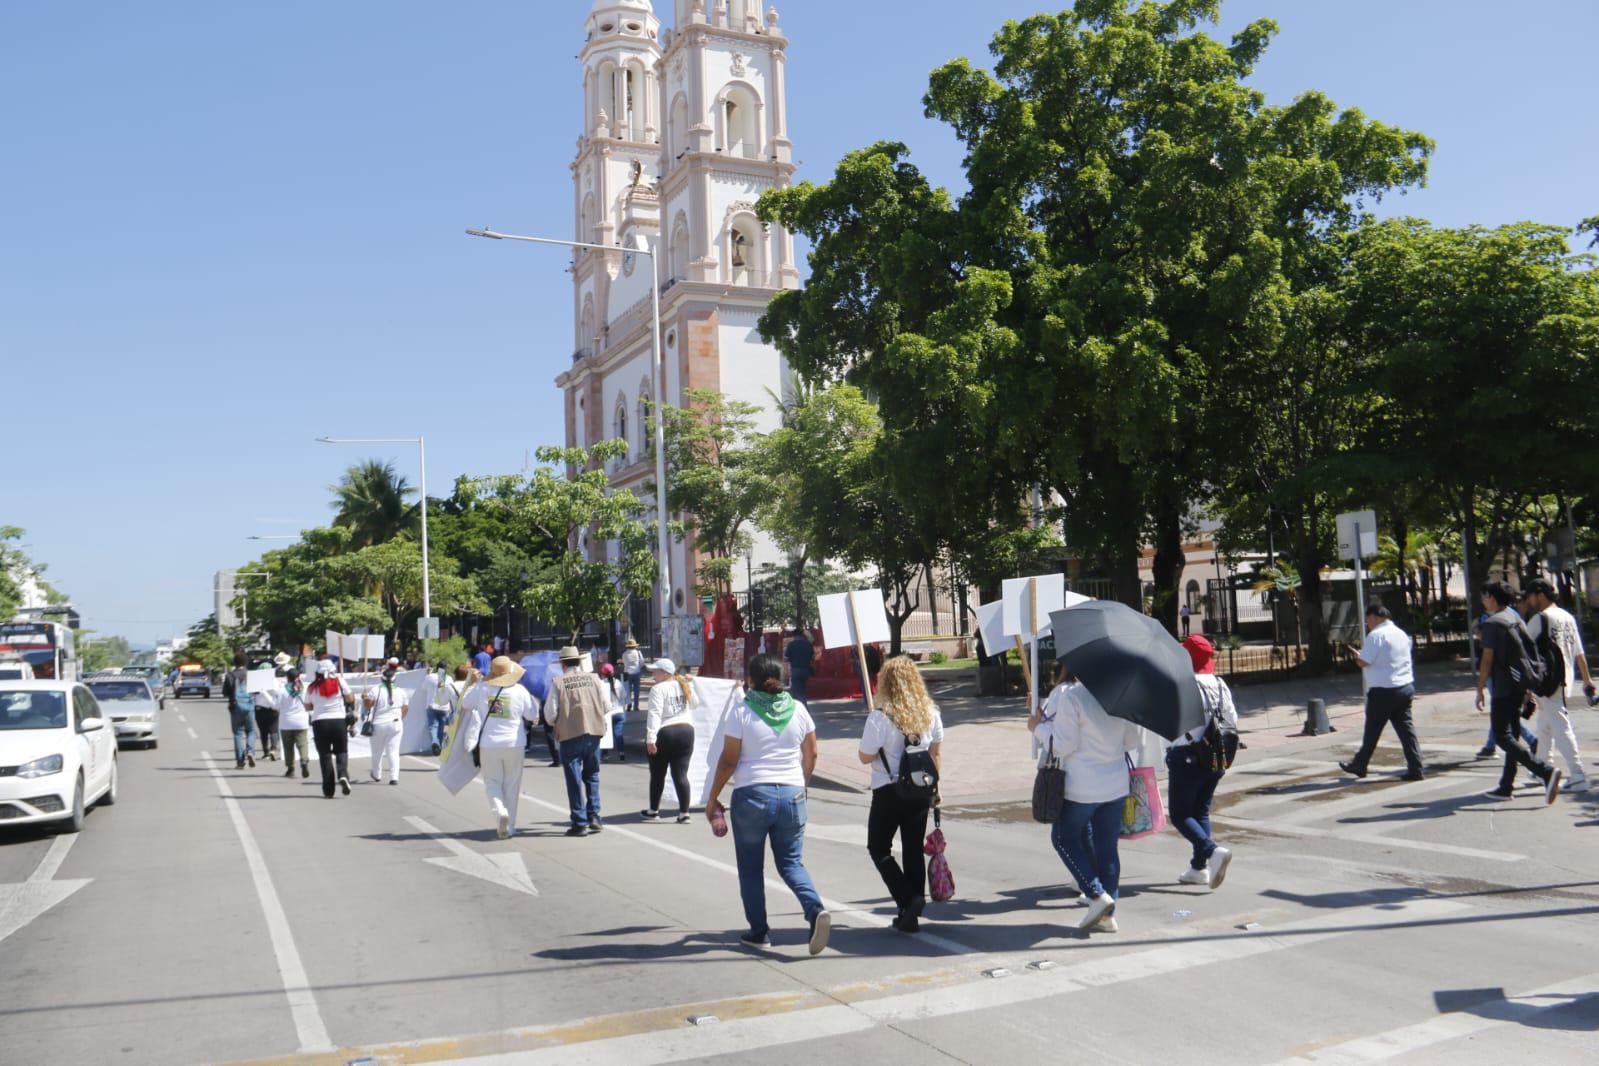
[[581, 706]]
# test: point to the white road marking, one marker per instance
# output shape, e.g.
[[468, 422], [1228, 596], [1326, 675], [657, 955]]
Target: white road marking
[[21, 904], [742, 1036], [182, 719], [1524, 1009], [1369, 837], [192, 734], [505, 870], [309, 1027]]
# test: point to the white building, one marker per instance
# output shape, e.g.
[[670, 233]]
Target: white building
[[682, 131]]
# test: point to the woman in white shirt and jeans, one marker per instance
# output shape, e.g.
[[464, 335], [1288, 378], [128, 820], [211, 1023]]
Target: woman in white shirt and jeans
[[1092, 748], [906, 713], [769, 751]]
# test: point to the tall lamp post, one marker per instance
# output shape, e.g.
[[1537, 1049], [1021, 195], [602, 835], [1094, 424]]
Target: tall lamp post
[[422, 462], [663, 545]]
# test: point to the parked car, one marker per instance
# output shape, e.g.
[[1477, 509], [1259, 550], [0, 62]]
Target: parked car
[[58, 754], [134, 710], [192, 679]]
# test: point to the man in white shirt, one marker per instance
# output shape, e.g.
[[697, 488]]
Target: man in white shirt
[[1385, 657], [1552, 724]]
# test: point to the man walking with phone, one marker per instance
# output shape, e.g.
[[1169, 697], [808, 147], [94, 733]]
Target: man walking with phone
[[1385, 658], [1506, 650]]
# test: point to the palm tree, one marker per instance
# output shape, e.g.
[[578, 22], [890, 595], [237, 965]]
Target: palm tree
[[1404, 564], [370, 501]]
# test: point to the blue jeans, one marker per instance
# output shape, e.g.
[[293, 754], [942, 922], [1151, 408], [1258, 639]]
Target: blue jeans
[[618, 722], [1086, 836], [633, 682], [580, 761], [1189, 791], [777, 812], [243, 734], [799, 682], [436, 720]]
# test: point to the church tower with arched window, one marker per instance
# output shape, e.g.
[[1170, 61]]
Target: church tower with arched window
[[683, 130]]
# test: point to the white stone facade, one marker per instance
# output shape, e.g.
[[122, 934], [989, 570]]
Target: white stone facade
[[682, 131]]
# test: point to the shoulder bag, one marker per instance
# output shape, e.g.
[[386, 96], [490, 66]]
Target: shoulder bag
[[1049, 788]]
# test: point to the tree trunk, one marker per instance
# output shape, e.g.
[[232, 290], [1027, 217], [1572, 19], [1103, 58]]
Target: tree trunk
[[1476, 572], [798, 582], [1168, 563], [1313, 623]]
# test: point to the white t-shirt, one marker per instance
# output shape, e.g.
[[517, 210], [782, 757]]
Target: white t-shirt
[[326, 708], [881, 734], [1218, 702], [1564, 631], [667, 707], [290, 708], [503, 713], [768, 758], [387, 701], [446, 694], [1388, 649], [1091, 745]]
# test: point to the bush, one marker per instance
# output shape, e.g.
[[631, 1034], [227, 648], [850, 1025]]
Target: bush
[[938, 658], [451, 653]]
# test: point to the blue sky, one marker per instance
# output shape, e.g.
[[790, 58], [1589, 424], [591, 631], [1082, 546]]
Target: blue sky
[[231, 228]]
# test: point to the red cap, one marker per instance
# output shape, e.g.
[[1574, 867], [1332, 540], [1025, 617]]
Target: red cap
[[1202, 652]]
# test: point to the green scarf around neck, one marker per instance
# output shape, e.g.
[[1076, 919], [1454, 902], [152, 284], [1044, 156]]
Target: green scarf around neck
[[774, 708]]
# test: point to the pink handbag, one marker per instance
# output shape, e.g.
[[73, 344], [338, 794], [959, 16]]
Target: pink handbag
[[940, 880], [1143, 814]]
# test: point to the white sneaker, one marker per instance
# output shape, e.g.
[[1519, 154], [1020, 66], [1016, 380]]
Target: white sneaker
[[1551, 788], [503, 830], [1083, 899], [1108, 925], [1101, 908], [1220, 859], [1576, 784], [1192, 876]]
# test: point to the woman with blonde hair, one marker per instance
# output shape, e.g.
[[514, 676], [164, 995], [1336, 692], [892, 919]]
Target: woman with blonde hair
[[669, 736], [902, 739]]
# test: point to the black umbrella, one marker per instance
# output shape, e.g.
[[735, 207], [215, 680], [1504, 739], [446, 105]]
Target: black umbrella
[[1131, 665]]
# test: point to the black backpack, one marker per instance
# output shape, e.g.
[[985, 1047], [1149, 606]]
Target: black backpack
[[1217, 749], [1551, 659], [918, 774], [1523, 665]]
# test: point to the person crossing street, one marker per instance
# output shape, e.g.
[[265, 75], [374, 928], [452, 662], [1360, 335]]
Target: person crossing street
[[1552, 722], [580, 712], [1390, 677], [1506, 648], [386, 708]]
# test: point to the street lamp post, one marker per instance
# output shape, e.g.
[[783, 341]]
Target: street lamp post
[[663, 542], [422, 460]]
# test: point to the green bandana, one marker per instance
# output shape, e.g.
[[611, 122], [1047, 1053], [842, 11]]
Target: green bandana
[[774, 708]]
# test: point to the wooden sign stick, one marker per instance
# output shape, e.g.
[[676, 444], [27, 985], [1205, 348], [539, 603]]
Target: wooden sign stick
[[1032, 603], [1027, 672], [860, 652]]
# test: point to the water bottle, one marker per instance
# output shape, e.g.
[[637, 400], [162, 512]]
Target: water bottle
[[719, 822]]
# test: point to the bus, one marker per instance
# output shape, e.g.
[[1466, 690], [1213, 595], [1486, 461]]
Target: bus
[[48, 647]]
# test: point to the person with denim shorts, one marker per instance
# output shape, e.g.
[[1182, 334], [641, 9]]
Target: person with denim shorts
[[769, 753]]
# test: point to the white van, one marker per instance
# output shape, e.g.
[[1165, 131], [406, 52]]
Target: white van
[[15, 670]]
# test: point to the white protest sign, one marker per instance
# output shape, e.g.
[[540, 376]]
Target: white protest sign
[[1365, 522], [850, 618], [260, 680], [374, 646], [714, 700], [1028, 601], [334, 642], [991, 627]]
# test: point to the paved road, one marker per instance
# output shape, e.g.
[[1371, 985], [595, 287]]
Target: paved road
[[219, 916]]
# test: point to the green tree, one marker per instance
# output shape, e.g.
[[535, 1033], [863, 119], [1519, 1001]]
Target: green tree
[[101, 653], [370, 501], [394, 570], [713, 479], [577, 512], [207, 647]]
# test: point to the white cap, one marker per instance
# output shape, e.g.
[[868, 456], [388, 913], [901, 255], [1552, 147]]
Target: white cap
[[665, 666], [326, 667], [393, 661]]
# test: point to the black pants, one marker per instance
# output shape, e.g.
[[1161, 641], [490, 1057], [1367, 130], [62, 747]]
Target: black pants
[[1385, 707], [266, 723], [673, 746], [1505, 717], [332, 743], [891, 815]]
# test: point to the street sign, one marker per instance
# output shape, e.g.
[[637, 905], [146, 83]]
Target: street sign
[[427, 629], [1363, 522]]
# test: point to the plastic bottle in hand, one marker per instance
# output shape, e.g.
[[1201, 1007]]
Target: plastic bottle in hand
[[719, 821]]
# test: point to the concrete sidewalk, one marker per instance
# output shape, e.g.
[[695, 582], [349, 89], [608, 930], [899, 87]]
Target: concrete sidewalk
[[987, 752]]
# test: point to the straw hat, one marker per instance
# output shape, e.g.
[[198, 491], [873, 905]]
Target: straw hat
[[503, 673], [281, 659], [569, 654], [632, 643]]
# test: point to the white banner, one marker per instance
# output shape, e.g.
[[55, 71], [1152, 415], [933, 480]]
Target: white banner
[[848, 616], [714, 700]]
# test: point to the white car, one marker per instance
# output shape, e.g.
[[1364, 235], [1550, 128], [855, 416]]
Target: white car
[[58, 753], [135, 711]]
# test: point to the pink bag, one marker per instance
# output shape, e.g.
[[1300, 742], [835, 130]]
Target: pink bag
[[1143, 814], [940, 881]]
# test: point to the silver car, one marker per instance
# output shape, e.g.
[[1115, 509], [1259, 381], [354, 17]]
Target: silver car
[[134, 711]]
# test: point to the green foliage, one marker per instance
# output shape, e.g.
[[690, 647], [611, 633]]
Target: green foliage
[[713, 478], [938, 658], [452, 652], [785, 585], [563, 510], [15, 566], [101, 653], [370, 501], [206, 646], [393, 570]]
